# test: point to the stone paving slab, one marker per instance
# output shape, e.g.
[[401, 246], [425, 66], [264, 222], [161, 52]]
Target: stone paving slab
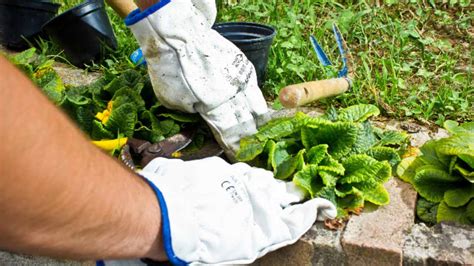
[[442, 244], [376, 236], [319, 246]]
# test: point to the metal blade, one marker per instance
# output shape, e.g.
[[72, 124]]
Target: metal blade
[[323, 58], [341, 44]]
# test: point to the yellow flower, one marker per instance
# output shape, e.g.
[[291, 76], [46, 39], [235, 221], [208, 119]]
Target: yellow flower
[[104, 116], [110, 144], [176, 154]]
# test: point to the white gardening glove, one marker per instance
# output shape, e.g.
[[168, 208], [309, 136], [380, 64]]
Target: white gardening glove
[[214, 212], [194, 69]]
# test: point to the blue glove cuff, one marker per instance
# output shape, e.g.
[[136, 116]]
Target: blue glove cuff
[[136, 15], [165, 226]]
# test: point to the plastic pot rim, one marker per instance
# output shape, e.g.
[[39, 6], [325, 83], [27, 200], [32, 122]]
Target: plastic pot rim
[[73, 13], [254, 24]]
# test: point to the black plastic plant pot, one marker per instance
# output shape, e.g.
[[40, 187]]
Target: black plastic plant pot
[[21, 21], [84, 32], [253, 39]]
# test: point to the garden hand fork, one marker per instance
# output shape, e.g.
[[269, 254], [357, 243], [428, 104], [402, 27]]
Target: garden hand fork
[[300, 94]]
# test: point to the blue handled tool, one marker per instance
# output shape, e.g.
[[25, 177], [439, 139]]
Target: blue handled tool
[[300, 94]]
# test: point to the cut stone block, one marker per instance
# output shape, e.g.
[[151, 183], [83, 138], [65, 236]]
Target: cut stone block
[[376, 236], [326, 244], [298, 254], [442, 244], [319, 246]]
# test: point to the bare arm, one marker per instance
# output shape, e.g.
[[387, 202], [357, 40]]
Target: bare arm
[[59, 195]]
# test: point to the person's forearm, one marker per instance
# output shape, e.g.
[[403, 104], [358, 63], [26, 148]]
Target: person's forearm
[[59, 195], [122, 7]]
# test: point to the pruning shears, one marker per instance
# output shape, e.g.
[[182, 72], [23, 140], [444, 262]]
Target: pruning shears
[[171, 147], [300, 94]]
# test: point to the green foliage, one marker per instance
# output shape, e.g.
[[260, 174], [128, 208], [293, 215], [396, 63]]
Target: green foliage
[[358, 113], [125, 101], [426, 210], [411, 58], [443, 175], [339, 156]]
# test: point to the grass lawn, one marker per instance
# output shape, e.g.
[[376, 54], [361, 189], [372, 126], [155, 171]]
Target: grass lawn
[[412, 60]]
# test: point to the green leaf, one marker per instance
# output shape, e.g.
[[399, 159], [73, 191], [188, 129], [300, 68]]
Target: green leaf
[[122, 120], [169, 127], [431, 182], [149, 127], [470, 211], [406, 169], [459, 196], [24, 57], [392, 137], [385, 154], [450, 214], [317, 153], [365, 138], [385, 172], [51, 84], [454, 128], [378, 195], [426, 210], [99, 132], [329, 179], [283, 162], [432, 156], [78, 95], [468, 175], [130, 79], [328, 193], [84, 118], [308, 179], [468, 159], [250, 147], [128, 96], [343, 190], [289, 165], [358, 113], [340, 136], [281, 127], [351, 202], [329, 164], [461, 143], [362, 168], [182, 117]]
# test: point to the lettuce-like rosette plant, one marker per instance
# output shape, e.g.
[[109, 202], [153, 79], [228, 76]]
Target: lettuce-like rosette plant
[[443, 175], [339, 156]]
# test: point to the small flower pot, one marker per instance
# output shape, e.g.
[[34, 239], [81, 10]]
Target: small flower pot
[[83, 32], [21, 21], [253, 39]]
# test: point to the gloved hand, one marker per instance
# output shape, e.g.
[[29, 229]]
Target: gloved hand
[[194, 69], [217, 213]]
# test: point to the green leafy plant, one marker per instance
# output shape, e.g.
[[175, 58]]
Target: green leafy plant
[[339, 156], [116, 105], [443, 175]]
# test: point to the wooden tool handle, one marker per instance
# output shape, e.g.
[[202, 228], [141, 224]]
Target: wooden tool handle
[[300, 94]]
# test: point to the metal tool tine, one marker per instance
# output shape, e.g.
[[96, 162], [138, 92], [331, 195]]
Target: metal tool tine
[[323, 58], [343, 50]]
